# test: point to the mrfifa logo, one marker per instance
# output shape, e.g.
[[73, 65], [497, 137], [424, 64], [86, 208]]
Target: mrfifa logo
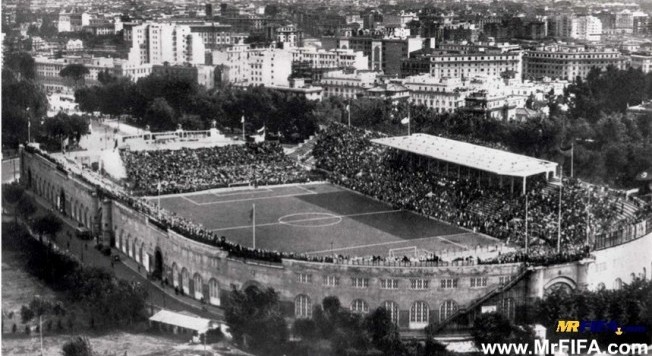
[[596, 326]]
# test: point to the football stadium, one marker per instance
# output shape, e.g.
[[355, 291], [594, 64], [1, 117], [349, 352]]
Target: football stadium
[[435, 230]]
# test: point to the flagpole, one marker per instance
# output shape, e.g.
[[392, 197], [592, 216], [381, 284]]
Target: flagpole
[[158, 195], [561, 187], [526, 232], [409, 119], [348, 109], [254, 224], [572, 156], [243, 128]]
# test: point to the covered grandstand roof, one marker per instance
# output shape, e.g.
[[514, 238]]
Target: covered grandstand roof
[[469, 155]]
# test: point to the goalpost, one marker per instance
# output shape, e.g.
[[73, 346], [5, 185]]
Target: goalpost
[[410, 252]]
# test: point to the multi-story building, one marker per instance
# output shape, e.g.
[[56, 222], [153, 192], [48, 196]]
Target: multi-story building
[[335, 58], [349, 85], [233, 62], [288, 36], [269, 67], [48, 69], [157, 43], [624, 21], [584, 27], [200, 74], [214, 34], [439, 94], [464, 64], [587, 28], [385, 54], [568, 61], [642, 61], [72, 22]]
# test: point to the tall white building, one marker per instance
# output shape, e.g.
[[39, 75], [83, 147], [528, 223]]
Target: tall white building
[[587, 28], [269, 67], [157, 43]]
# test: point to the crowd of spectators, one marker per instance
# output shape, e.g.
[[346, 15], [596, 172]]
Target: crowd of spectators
[[186, 170], [353, 161]]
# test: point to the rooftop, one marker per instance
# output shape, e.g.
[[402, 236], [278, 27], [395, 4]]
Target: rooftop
[[469, 155]]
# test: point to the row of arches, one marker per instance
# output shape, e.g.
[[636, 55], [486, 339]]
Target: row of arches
[[56, 196], [134, 248], [419, 312], [181, 279]]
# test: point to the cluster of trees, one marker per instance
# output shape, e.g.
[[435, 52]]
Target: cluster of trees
[[24, 107], [256, 322], [23, 99], [163, 103], [110, 302], [631, 305]]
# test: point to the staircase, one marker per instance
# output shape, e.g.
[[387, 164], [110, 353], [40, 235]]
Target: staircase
[[303, 153], [477, 302]]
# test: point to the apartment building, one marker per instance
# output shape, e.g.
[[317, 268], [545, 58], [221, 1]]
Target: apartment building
[[452, 64], [348, 84], [568, 61], [157, 43]]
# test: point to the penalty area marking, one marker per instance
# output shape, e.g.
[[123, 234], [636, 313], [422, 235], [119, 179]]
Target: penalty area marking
[[390, 243]]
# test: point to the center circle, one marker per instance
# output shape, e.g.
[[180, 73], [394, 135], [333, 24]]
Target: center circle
[[310, 219]]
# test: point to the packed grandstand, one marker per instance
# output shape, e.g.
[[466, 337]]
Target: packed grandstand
[[348, 157]]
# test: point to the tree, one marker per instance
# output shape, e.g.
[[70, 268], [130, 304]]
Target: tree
[[75, 72], [255, 319], [22, 64], [26, 314], [12, 193], [26, 207], [48, 225], [23, 101], [384, 333], [160, 115], [491, 327], [77, 346]]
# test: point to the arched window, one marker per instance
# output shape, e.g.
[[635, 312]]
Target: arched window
[[419, 313], [302, 306], [618, 284], [175, 275], [508, 308], [447, 309], [359, 306], [213, 292], [185, 281], [392, 309], [126, 246], [197, 284]]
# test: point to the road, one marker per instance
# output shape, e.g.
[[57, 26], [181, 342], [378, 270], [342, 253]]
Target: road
[[127, 269]]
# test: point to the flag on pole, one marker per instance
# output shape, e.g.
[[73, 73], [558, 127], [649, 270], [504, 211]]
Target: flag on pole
[[348, 107], [405, 121], [242, 120], [261, 130], [158, 187]]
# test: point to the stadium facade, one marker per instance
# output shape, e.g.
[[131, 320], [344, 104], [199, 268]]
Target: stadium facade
[[446, 294]]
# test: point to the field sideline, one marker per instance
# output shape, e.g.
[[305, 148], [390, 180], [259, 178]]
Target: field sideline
[[317, 218]]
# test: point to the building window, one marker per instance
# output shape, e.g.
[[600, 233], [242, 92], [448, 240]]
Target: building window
[[449, 283], [302, 306], [508, 308], [478, 282], [419, 283], [359, 306], [504, 279], [332, 281], [359, 282], [419, 312], [447, 309], [392, 309], [389, 283], [304, 278]]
